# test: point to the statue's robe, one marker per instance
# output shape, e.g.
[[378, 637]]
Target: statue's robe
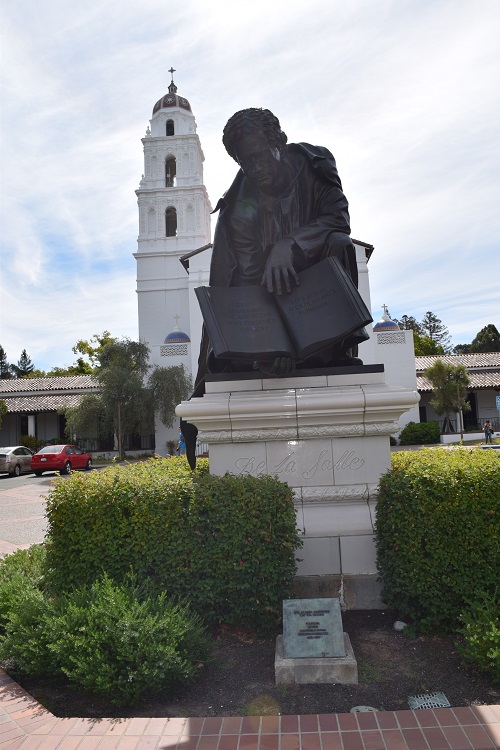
[[312, 210]]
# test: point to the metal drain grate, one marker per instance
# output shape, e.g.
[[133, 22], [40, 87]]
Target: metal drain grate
[[431, 700]]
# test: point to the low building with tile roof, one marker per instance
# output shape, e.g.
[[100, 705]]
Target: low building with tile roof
[[484, 373], [34, 405]]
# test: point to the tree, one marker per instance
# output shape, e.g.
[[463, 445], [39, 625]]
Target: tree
[[432, 327], [24, 366], [5, 368], [80, 367], [169, 386], [449, 385], [487, 340], [130, 396], [3, 410], [88, 420], [461, 349], [425, 346], [430, 335], [121, 374], [408, 323], [92, 349]]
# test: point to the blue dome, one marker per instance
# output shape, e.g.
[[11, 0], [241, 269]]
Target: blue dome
[[385, 323], [177, 337]]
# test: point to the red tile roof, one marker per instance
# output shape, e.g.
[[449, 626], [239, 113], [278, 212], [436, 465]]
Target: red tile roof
[[483, 369], [42, 385], [46, 394]]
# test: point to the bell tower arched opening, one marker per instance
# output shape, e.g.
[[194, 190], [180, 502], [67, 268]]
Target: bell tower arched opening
[[170, 171], [170, 222], [170, 129]]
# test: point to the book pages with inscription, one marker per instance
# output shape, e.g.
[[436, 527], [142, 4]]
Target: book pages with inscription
[[248, 322], [324, 309]]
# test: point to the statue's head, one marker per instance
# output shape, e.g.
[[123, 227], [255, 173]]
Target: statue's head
[[247, 120], [253, 137]]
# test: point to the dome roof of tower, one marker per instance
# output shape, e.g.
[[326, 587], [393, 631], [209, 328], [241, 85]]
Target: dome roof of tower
[[177, 337], [172, 99], [386, 324]]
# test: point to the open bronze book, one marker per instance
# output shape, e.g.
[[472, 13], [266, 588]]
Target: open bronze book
[[247, 322]]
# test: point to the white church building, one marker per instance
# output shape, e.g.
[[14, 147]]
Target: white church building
[[174, 222]]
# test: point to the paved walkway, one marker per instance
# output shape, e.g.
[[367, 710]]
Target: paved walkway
[[22, 512], [26, 725]]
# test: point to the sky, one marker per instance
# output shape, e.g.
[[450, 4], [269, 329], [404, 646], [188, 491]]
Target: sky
[[405, 93]]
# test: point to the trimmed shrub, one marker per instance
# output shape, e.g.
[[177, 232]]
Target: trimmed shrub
[[115, 642], [24, 645], [29, 441], [420, 433], [481, 633], [438, 532], [19, 572], [228, 543]]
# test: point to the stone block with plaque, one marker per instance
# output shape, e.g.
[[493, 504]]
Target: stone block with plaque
[[314, 648]]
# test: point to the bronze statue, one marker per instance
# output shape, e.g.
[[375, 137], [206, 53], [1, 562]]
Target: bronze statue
[[284, 212]]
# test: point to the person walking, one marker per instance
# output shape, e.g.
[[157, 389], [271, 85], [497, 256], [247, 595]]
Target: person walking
[[488, 432]]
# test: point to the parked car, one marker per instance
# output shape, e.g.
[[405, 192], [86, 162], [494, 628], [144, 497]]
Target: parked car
[[15, 460], [62, 458]]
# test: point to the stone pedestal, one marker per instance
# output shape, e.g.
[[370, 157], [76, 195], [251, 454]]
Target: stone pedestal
[[306, 671], [325, 433]]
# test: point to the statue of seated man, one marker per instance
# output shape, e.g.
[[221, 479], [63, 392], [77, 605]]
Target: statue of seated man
[[284, 212]]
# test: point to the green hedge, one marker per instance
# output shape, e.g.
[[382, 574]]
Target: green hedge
[[480, 632], [438, 532], [227, 543], [420, 433]]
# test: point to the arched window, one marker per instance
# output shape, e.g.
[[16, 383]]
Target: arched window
[[170, 127], [170, 171], [170, 222]]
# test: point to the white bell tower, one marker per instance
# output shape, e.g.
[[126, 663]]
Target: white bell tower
[[174, 220]]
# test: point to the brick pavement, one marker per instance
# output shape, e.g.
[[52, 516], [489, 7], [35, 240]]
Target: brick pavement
[[26, 725]]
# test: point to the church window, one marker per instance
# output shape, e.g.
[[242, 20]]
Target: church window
[[170, 222], [170, 127], [170, 171]]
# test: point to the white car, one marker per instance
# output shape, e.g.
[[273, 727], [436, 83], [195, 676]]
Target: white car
[[15, 460]]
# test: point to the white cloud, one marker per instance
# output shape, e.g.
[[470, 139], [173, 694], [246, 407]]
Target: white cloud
[[405, 94]]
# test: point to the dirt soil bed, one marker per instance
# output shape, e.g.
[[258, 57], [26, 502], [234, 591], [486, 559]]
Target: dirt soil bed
[[239, 679]]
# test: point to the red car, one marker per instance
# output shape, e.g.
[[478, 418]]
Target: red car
[[62, 458]]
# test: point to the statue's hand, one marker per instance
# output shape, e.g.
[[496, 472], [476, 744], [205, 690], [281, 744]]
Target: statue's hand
[[279, 366], [279, 267]]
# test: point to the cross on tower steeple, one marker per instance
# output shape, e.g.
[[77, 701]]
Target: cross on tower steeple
[[172, 87]]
